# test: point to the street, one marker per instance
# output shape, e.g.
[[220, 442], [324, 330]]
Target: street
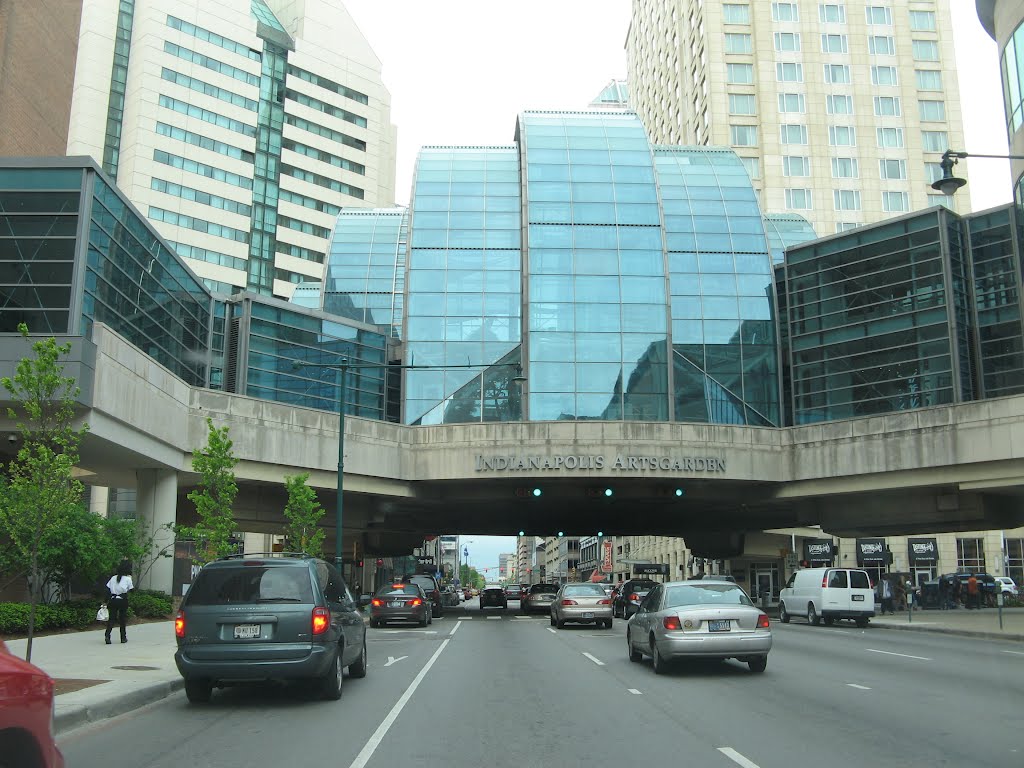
[[500, 689]]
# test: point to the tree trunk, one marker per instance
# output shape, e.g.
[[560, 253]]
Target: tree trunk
[[33, 598]]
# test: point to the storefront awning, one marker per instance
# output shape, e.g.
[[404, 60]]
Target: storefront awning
[[819, 550], [871, 552], [922, 551]]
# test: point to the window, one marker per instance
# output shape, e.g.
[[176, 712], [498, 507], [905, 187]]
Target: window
[[879, 14], [788, 72], [734, 13], [892, 169], [934, 141], [798, 199], [742, 104], [842, 136], [922, 21], [844, 226], [793, 134], [887, 106], [785, 12], [794, 165], [884, 76], [753, 166], [837, 73], [844, 168], [787, 41], [926, 50], [970, 555], [928, 79], [881, 45], [833, 44], [741, 74], [932, 171], [893, 202], [889, 137], [932, 110], [743, 135], [736, 42], [838, 104], [791, 102], [846, 199], [832, 13]]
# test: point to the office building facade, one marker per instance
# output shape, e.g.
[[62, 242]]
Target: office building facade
[[839, 111]]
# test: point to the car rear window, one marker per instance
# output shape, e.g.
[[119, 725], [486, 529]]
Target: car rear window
[[251, 584], [584, 590], [705, 594], [399, 589], [642, 586], [538, 588], [426, 584], [859, 580]]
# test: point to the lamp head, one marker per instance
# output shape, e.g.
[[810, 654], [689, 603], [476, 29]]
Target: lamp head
[[949, 184]]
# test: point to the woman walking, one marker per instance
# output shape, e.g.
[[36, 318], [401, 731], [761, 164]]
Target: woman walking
[[118, 587]]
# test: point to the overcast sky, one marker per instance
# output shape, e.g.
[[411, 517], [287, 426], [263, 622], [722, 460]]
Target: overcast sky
[[459, 71]]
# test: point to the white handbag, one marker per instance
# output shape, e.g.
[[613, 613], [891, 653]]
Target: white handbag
[[103, 614]]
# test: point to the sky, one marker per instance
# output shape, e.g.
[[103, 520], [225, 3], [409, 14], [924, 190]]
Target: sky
[[460, 71]]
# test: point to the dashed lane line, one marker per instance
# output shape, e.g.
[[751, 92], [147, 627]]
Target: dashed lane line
[[859, 687], [551, 630], [594, 659], [737, 758], [904, 655], [454, 629], [634, 691]]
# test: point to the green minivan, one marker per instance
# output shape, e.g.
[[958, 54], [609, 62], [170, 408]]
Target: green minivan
[[252, 618]]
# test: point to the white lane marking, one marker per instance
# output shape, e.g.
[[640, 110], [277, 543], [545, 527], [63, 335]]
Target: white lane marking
[[904, 655], [494, 618], [528, 618], [737, 758], [859, 687], [378, 736], [454, 629], [1017, 653], [403, 631], [634, 691], [551, 630], [392, 660], [464, 618], [594, 659]]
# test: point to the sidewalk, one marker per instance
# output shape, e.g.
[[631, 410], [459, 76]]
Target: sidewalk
[[982, 623], [118, 678]]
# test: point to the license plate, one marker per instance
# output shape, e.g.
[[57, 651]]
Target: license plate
[[588, 615], [395, 604], [246, 631], [858, 598], [719, 626]]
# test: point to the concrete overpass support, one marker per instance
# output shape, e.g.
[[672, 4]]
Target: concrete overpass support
[[156, 507]]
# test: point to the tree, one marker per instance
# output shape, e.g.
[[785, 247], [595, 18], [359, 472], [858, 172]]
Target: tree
[[40, 494], [214, 497], [303, 512], [470, 577]]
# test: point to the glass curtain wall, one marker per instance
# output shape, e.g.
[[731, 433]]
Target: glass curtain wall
[[463, 305], [597, 319], [725, 363]]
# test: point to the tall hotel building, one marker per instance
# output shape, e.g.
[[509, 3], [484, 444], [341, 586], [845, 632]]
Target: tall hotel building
[[240, 128], [839, 111]]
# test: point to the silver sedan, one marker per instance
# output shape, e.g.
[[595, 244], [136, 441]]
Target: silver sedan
[[699, 619], [584, 602]]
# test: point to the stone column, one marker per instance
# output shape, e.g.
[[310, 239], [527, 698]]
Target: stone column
[[156, 505]]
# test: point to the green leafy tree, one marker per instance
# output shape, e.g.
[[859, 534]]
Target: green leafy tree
[[40, 494], [303, 512], [214, 498], [470, 577]]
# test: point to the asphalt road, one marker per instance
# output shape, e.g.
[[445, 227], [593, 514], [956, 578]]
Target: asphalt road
[[496, 689]]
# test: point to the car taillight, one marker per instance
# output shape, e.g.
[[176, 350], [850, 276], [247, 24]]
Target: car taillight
[[671, 622], [415, 601], [634, 597], [569, 602], [321, 620], [179, 624], [604, 602], [824, 581], [377, 602], [762, 621]]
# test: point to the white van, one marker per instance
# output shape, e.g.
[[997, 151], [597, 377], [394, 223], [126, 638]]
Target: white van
[[829, 594]]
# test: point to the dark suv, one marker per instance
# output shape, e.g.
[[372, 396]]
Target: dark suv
[[629, 595], [268, 617], [430, 588]]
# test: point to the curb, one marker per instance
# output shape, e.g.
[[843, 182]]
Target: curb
[[77, 715], [981, 634]]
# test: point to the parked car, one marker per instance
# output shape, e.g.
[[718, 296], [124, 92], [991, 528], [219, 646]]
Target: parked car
[[709, 618], [26, 715], [539, 598], [1007, 586], [583, 603], [514, 592], [828, 594], [493, 595], [268, 617], [400, 602], [629, 595], [430, 588], [450, 597]]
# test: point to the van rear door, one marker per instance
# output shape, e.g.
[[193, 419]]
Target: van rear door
[[862, 596]]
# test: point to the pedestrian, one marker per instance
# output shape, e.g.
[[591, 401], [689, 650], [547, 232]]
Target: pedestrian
[[118, 587], [887, 596], [943, 594], [972, 592], [899, 594]]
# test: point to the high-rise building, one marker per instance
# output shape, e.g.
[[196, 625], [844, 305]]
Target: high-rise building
[[839, 111], [240, 128]]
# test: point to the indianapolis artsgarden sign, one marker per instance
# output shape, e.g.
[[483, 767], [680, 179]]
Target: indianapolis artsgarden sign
[[593, 462]]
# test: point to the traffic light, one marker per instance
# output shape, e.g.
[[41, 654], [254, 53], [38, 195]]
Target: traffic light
[[525, 492], [380, 561], [522, 533], [600, 534], [359, 563], [560, 534]]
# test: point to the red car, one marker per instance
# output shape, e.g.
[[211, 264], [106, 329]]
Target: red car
[[26, 714]]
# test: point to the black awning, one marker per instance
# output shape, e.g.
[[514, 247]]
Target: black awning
[[819, 550], [650, 569], [871, 552], [922, 551]]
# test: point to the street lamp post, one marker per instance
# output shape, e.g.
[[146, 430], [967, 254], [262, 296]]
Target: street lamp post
[[949, 184], [343, 366]]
